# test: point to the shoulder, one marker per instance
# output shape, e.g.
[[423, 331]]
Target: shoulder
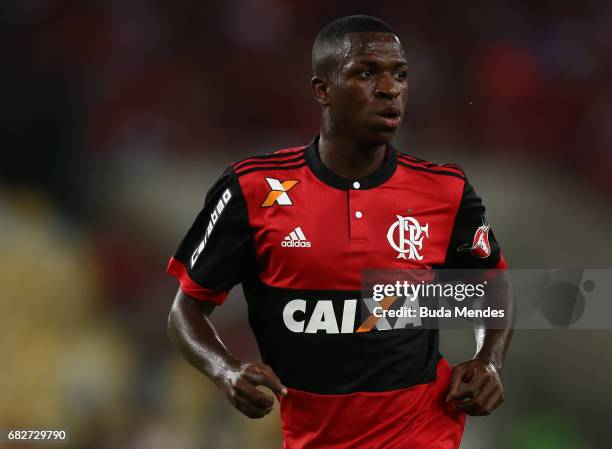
[[411, 163], [282, 159], [270, 175]]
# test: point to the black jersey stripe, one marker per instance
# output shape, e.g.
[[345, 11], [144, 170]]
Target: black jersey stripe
[[373, 361], [429, 170], [263, 157], [270, 165], [416, 160], [273, 167], [258, 163], [455, 166], [431, 165]]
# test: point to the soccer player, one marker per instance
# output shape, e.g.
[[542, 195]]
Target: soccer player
[[296, 227]]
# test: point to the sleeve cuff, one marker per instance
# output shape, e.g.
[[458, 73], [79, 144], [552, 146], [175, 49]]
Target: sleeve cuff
[[502, 264], [191, 288]]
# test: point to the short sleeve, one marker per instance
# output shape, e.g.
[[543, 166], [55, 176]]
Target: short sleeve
[[472, 243], [217, 251]]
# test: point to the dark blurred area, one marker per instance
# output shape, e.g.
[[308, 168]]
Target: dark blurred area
[[116, 117]]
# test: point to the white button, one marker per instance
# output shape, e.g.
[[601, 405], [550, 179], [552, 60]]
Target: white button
[[358, 214], [356, 185]]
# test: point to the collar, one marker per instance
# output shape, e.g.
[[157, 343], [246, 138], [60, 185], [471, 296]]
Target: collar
[[384, 172]]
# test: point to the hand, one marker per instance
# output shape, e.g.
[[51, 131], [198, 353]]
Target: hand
[[240, 387], [475, 388]]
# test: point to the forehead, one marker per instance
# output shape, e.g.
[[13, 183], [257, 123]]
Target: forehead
[[370, 45]]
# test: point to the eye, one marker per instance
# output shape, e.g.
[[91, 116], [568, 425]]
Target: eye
[[401, 75], [366, 74]]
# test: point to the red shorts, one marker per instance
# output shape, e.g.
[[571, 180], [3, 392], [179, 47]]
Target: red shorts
[[411, 418]]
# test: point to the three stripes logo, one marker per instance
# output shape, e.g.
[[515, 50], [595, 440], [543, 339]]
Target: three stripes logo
[[278, 194], [296, 239]]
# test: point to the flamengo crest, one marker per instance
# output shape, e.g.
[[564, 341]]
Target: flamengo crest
[[406, 236]]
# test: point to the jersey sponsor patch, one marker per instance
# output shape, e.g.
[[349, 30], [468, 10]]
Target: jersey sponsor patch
[[351, 315], [278, 193], [214, 217], [480, 246]]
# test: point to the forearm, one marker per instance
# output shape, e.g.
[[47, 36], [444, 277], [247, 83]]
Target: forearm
[[194, 335], [493, 339], [492, 345]]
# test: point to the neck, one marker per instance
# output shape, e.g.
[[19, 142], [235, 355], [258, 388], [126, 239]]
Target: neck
[[347, 158]]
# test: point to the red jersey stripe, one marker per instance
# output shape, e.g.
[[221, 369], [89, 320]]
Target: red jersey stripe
[[191, 288]]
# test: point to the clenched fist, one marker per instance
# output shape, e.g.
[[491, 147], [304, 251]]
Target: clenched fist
[[475, 388], [241, 384]]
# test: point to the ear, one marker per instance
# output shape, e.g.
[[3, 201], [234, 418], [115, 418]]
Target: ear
[[320, 90]]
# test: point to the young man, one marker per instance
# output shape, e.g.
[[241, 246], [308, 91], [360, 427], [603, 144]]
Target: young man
[[297, 227]]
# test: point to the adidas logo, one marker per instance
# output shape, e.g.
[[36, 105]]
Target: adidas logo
[[296, 239]]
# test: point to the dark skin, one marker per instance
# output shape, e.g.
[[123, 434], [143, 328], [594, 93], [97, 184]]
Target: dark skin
[[367, 82], [362, 91], [475, 386], [191, 331]]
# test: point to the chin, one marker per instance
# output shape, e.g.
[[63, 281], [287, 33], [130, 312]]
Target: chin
[[369, 136], [381, 137]]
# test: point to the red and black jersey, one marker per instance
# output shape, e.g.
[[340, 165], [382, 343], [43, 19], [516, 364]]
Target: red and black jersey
[[297, 237]]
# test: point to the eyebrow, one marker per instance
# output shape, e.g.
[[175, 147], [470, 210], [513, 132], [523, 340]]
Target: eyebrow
[[370, 61]]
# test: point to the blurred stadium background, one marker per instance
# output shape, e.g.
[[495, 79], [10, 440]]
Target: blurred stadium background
[[115, 117]]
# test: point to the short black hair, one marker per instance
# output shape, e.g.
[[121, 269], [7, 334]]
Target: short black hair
[[325, 47]]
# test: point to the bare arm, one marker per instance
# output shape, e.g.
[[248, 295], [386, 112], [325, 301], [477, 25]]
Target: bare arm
[[492, 345], [191, 331], [475, 385]]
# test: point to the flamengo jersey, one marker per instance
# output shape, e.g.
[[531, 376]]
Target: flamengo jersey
[[297, 237]]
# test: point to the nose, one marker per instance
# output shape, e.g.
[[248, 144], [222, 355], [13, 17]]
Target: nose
[[387, 86]]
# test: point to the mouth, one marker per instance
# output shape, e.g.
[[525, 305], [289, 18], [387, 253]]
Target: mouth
[[390, 116]]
